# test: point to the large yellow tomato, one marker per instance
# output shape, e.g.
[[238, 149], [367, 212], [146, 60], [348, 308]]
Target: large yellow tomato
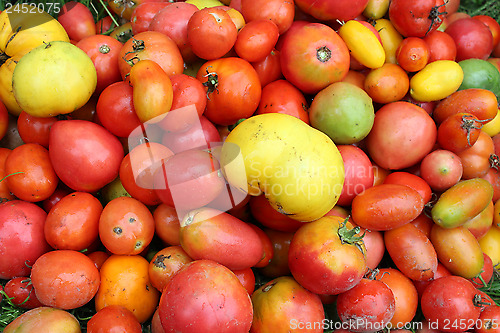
[[22, 28], [299, 168], [54, 78]]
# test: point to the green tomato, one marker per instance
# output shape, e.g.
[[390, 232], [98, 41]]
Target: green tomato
[[480, 73]]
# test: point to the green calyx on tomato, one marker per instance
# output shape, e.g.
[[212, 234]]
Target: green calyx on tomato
[[212, 82], [348, 236]]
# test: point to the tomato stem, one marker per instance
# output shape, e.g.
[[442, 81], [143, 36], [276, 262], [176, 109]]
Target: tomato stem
[[349, 236], [323, 54]]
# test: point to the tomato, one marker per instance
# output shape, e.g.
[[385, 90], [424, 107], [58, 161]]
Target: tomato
[[451, 303], [227, 240], [98, 257], [167, 225], [487, 318], [125, 281], [458, 132], [421, 285], [423, 223], [342, 111], [458, 250], [211, 33], [482, 222], [356, 78], [413, 54], [256, 40], [269, 217], [472, 37], [314, 56], [46, 319], [114, 317], [278, 266], [77, 20], [411, 180], [299, 308], [391, 38], [151, 45], [104, 25], [173, 21], [441, 169], [268, 69], [103, 51], [247, 278], [326, 10], [367, 307], [85, 156], [492, 127], [436, 81], [143, 14], [493, 177], [283, 97], [165, 263], [364, 46], [405, 295], [416, 19], [73, 222], [126, 226], [326, 256], [65, 279], [21, 292], [484, 278], [281, 12], [489, 244], [476, 160], [410, 131], [202, 134], [441, 46], [386, 206], [215, 284], [412, 252], [267, 246], [35, 129], [358, 173], [122, 33], [388, 83], [32, 177], [4, 120], [376, 9]]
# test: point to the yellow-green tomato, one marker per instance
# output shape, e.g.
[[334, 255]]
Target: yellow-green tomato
[[376, 9], [436, 81], [462, 202], [54, 78], [298, 168], [363, 44], [44, 319]]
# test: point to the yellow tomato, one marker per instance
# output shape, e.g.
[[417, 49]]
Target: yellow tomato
[[436, 80], [299, 168], [492, 127], [363, 44], [490, 244], [54, 78], [205, 3], [22, 28], [376, 9], [391, 39], [237, 17], [125, 281]]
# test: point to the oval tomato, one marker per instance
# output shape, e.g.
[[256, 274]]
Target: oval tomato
[[256, 40], [478, 159], [77, 20], [269, 217], [358, 173], [411, 180], [167, 225], [45, 318]]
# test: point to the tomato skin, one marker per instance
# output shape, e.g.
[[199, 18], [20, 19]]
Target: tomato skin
[[65, 279], [476, 159], [77, 20], [388, 83], [386, 206], [391, 38], [297, 306], [411, 180], [370, 300], [458, 132], [490, 243], [247, 278], [215, 284], [20, 289], [314, 56], [269, 217], [143, 14], [402, 124], [4, 120], [281, 12], [267, 246], [436, 81], [37, 180], [358, 173], [327, 10], [412, 252], [361, 41], [278, 266], [421, 285], [441, 46], [256, 40], [237, 93], [482, 222], [449, 302], [412, 54], [486, 273], [165, 263], [34, 129], [46, 319], [413, 19], [318, 251], [458, 250], [441, 169], [268, 69], [472, 38], [208, 233], [85, 156], [114, 317], [167, 225]]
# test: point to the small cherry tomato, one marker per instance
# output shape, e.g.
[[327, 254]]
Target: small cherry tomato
[[412, 54]]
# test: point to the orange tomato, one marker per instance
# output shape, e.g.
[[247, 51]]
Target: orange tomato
[[386, 84], [165, 264], [412, 54]]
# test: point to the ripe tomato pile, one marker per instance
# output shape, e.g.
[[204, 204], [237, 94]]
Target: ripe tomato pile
[[249, 166]]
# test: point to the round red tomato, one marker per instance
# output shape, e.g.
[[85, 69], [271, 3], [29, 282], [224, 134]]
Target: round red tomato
[[256, 40], [114, 318], [201, 135], [441, 46], [144, 13], [22, 293], [416, 18], [441, 169], [35, 129], [325, 10], [167, 225], [281, 12], [269, 69], [476, 160], [472, 37], [165, 263], [77, 20], [458, 132]]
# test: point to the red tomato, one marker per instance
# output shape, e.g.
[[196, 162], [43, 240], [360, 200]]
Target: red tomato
[[458, 132], [73, 222], [126, 226], [256, 40], [268, 69], [324, 10], [104, 25], [60, 192], [98, 257], [386, 206], [482, 222], [32, 175], [247, 278], [441, 169], [211, 234], [416, 18], [267, 246], [441, 46], [278, 266], [77, 20], [493, 177], [211, 33], [450, 303], [367, 307], [283, 97], [412, 252], [492, 24], [214, 284], [488, 319], [269, 217], [165, 263], [472, 37], [35, 129], [326, 256], [173, 21], [167, 225], [412, 54], [358, 173], [486, 274], [423, 223], [411, 180], [85, 156], [233, 89], [202, 134], [4, 120], [421, 284], [410, 131], [281, 12], [314, 56], [114, 318], [476, 159], [22, 293], [103, 51], [65, 279], [144, 13]]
